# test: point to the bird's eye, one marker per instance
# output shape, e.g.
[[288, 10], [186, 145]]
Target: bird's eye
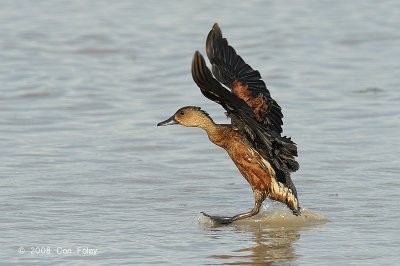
[[181, 112]]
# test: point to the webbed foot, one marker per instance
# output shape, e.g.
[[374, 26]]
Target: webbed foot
[[259, 196], [219, 219]]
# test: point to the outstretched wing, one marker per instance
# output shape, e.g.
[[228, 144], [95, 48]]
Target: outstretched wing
[[279, 151], [246, 83]]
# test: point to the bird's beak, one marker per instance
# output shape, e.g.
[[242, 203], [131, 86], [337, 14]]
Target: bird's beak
[[169, 121]]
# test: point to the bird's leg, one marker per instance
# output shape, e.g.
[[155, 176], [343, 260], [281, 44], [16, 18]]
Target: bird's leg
[[258, 198]]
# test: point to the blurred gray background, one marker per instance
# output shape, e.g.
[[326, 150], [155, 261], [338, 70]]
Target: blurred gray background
[[83, 84]]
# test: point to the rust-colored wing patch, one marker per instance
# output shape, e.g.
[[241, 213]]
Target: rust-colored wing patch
[[257, 103]]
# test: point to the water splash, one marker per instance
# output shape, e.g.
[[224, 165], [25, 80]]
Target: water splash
[[276, 218]]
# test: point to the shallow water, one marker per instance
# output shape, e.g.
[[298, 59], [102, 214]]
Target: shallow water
[[83, 84]]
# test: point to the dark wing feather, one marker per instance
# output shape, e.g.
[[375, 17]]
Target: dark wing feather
[[214, 91], [279, 151], [231, 70]]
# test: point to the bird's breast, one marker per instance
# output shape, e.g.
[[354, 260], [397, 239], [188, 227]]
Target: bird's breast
[[249, 163], [259, 172]]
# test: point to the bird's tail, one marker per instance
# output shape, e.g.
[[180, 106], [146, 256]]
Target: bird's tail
[[284, 194]]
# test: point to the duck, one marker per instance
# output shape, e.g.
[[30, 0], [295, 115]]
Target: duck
[[253, 139]]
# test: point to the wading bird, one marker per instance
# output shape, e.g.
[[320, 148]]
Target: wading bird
[[253, 140]]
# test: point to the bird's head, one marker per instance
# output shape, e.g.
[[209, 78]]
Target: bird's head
[[189, 116]]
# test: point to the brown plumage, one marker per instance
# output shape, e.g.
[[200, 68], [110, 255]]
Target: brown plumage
[[253, 140], [257, 103]]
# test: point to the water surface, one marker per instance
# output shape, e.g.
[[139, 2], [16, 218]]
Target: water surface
[[83, 84]]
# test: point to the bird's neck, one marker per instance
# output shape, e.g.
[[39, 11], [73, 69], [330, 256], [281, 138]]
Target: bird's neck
[[215, 133]]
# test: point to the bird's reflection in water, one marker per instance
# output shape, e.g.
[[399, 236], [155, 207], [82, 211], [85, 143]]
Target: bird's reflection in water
[[266, 247], [267, 240]]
